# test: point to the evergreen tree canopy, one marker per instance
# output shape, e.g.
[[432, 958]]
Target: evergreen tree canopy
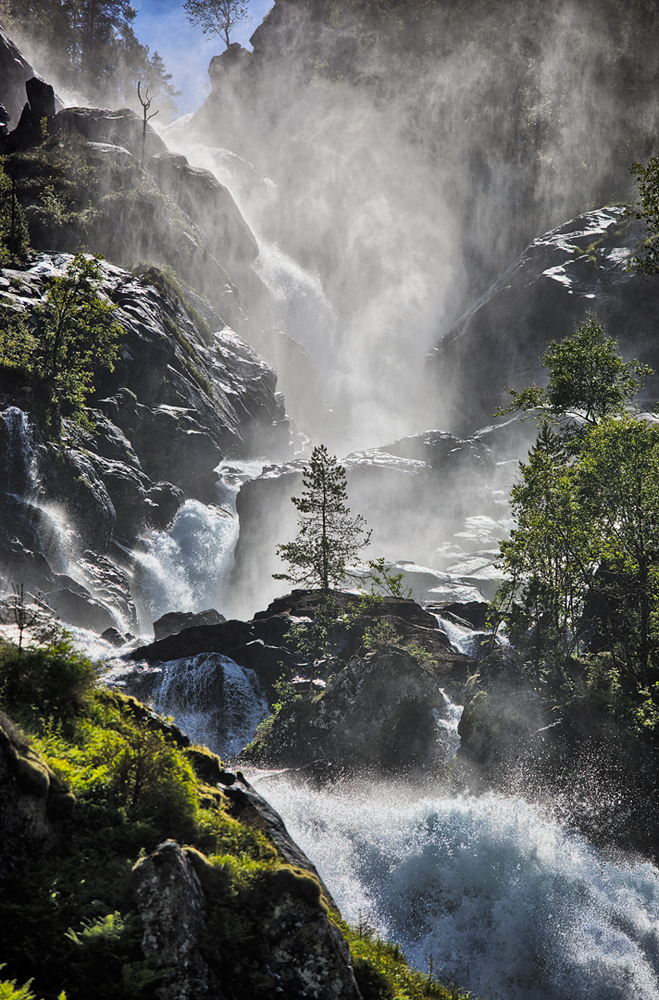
[[90, 47], [329, 537]]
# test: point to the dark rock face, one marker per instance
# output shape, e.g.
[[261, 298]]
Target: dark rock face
[[379, 714], [32, 797], [562, 275], [40, 106], [197, 639], [175, 621], [14, 71], [41, 98], [173, 912], [250, 807], [208, 203], [174, 407]]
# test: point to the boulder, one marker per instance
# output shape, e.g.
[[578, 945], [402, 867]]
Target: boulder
[[172, 909], [123, 128], [40, 107], [196, 639], [80, 610], [173, 622], [41, 98], [378, 715], [200, 195], [217, 702]]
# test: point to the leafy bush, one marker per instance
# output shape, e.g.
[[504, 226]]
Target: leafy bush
[[43, 683], [68, 338]]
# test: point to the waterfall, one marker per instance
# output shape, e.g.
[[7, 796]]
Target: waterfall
[[509, 904], [185, 568], [17, 453], [216, 702]]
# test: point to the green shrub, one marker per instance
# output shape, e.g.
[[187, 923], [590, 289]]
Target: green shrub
[[14, 235], [48, 682]]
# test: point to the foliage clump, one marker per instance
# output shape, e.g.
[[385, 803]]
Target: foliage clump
[[582, 564], [14, 233], [69, 337]]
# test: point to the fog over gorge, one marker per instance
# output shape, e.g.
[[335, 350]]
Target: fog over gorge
[[413, 158], [439, 767]]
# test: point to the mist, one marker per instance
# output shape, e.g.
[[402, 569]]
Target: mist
[[404, 162]]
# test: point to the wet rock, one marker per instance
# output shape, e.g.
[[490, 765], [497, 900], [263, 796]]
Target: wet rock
[[175, 621], [473, 613], [504, 721], [562, 275], [200, 195], [172, 908], [79, 610], [379, 714], [250, 807], [179, 400], [113, 636], [234, 57]]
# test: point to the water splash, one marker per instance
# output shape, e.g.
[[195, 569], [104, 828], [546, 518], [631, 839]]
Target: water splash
[[508, 903], [185, 568], [447, 725], [303, 308], [19, 463], [215, 701]]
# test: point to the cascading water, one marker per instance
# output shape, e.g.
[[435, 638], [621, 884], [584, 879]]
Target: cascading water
[[216, 702], [507, 902], [185, 568], [18, 452]]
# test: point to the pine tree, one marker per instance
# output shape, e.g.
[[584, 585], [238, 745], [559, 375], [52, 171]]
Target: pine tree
[[329, 537], [217, 17]]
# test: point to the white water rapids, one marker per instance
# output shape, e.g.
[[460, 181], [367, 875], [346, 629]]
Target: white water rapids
[[509, 904]]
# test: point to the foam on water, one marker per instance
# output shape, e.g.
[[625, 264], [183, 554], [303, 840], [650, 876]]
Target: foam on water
[[509, 904], [186, 568], [215, 701]]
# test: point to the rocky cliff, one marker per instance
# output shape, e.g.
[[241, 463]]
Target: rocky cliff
[[151, 877], [186, 393]]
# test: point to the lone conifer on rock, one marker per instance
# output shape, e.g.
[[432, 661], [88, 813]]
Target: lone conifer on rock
[[329, 537]]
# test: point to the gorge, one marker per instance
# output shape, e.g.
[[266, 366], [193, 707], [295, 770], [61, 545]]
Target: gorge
[[360, 239]]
